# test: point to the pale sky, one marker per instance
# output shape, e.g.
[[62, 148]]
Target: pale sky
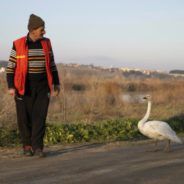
[[144, 34]]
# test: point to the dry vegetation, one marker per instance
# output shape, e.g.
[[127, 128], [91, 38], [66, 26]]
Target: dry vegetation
[[89, 96]]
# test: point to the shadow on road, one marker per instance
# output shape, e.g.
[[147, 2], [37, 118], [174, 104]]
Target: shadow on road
[[73, 149]]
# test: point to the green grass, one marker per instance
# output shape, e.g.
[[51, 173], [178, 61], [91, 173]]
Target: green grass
[[102, 131]]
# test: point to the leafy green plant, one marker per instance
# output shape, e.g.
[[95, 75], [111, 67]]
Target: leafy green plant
[[9, 137], [101, 131]]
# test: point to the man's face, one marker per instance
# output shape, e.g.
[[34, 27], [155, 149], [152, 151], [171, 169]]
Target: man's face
[[39, 32]]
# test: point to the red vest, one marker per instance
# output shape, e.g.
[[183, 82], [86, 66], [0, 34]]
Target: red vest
[[22, 63]]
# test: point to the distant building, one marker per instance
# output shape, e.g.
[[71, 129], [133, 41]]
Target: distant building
[[2, 69], [147, 72]]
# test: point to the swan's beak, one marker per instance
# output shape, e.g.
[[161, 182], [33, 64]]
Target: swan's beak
[[145, 98]]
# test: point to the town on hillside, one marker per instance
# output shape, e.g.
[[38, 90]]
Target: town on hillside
[[124, 71]]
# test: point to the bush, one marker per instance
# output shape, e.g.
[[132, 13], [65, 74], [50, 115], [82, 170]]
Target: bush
[[9, 137], [102, 131]]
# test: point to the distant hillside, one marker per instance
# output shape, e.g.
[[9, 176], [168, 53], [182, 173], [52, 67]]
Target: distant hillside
[[3, 63], [176, 72], [87, 70]]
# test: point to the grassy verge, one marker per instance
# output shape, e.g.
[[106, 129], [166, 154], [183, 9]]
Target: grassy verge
[[103, 131]]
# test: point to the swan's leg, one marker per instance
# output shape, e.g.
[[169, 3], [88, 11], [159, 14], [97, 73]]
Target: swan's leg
[[167, 146], [156, 146]]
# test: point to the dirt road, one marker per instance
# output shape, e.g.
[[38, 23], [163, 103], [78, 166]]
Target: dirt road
[[113, 163]]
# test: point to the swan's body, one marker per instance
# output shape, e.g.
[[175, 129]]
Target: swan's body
[[157, 130]]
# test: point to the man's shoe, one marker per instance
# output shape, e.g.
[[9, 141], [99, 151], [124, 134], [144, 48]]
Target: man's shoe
[[39, 153], [27, 151]]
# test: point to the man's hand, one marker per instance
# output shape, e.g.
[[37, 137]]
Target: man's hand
[[56, 90], [11, 91]]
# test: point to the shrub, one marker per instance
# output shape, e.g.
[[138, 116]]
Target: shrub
[[102, 131]]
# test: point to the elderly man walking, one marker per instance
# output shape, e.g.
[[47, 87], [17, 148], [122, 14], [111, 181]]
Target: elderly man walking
[[31, 76]]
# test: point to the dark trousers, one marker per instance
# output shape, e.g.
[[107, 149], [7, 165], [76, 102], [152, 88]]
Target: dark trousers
[[32, 111]]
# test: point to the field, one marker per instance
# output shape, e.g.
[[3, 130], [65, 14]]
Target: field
[[99, 105], [90, 95]]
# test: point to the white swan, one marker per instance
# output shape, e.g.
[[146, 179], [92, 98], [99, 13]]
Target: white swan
[[157, 130]]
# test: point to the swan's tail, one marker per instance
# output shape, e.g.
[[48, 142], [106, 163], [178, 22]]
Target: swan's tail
[[176, 139]]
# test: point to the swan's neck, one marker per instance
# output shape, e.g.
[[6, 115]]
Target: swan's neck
[[146, 116]]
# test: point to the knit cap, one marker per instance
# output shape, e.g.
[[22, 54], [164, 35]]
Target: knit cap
[[35, 22]]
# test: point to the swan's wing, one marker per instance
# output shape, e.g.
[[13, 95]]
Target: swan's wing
[[159, 128]]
